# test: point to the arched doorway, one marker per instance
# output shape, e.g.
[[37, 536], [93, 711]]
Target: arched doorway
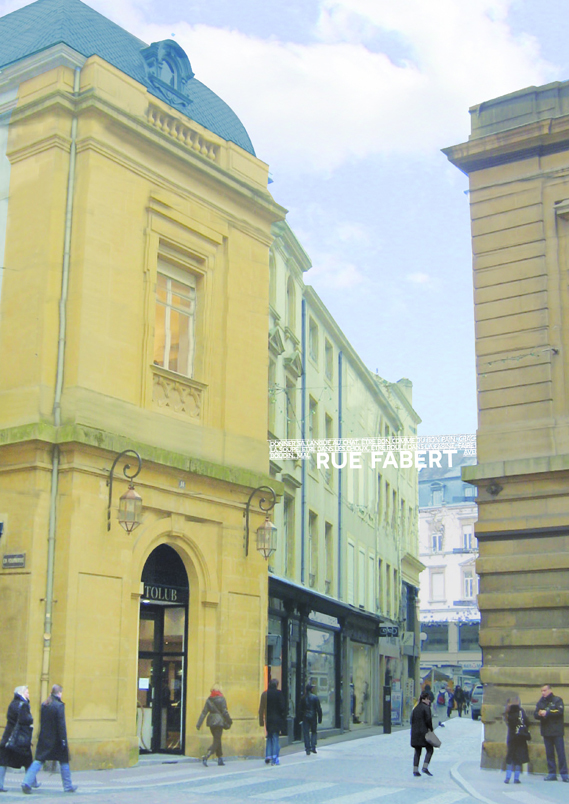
[[162, 653]]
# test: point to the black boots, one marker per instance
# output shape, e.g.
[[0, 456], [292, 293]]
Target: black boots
[[220, 761]]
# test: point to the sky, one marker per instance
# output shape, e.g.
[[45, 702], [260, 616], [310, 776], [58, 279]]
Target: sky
[[350, 103]]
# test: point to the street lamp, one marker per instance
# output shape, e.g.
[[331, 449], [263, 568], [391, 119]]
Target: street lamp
[[130, 504], [267, 533]]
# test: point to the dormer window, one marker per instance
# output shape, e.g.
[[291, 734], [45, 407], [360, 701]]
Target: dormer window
[[168, 71]]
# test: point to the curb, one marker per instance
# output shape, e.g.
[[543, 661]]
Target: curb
[[457, 777]]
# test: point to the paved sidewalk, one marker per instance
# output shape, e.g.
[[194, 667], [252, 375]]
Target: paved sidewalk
[[488, 786]]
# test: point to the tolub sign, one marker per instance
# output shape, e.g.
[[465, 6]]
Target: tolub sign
[[165, 594]]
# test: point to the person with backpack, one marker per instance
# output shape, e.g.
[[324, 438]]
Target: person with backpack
[[450, 702], [310, 713]]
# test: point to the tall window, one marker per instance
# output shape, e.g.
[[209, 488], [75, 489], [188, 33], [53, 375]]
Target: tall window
[[437, 494], [290, 303], [312, 428], [371, 584], [272, 395], [290, 409], [468, 583], [468, 537], [361, 578], [329, 545], [288, 526], [437, 585], [313, 548], [351, 569], [313, 340], [174, 334], [328, 360], [437, 541], [329, 427]]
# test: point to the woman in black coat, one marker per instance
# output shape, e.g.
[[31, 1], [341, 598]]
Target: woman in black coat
[[18, 713], [421, 723], [52, 742], [516, 739], [217, 717]]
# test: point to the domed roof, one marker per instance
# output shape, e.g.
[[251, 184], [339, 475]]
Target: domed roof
[[163, 67]]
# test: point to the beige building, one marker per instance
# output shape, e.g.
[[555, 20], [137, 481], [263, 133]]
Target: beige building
[[344, 579], [517, 159], [135, 226]]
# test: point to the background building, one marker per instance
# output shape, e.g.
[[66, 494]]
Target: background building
[[517, 159], [343, 583], [449, 585], [135, 227]]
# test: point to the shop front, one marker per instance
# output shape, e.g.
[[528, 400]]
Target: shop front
[[315, 639]]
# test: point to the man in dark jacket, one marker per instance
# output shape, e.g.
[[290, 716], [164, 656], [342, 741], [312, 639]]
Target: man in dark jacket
[[310, 712], [272, 715], [549, 712], [52, 742]]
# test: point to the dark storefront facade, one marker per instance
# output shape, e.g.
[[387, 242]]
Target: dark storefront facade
[[315, 639]]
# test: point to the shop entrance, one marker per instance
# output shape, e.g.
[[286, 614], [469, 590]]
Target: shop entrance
[[162, 653]]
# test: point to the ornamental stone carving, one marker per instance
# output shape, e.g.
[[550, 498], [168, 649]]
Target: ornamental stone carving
[[181, 396]]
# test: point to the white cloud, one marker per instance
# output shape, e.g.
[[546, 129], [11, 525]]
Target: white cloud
[[315, 107], [419, 278], [331, 271]]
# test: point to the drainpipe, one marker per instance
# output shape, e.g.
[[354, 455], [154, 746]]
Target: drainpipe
[[57, 401], [303, 437], [340, 358]]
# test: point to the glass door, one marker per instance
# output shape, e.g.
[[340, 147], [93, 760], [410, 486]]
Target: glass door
[[161, 682]]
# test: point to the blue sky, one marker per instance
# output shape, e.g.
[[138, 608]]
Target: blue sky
[[350, 102]]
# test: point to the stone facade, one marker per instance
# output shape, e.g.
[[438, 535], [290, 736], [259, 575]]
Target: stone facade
[[134, 315], [517, 160], [347, 561]]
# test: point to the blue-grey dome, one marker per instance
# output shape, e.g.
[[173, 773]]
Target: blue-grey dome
[[162, 67]]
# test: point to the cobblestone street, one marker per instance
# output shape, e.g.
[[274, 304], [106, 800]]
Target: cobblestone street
[[370, 769]]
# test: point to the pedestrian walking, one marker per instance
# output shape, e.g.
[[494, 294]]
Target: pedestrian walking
[[421, 723], [450, 702], [218, 718], [516, 739], [52, 742], [310, 713], [549, 712], [16, 742], [459, 699], [272, 715]]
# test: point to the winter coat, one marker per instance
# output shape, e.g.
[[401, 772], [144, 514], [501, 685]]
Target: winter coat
[[421, 723], [216, 711], [517, 746], [272, 711], [52, 740], [18, 712], [552, 724], [310, 709]]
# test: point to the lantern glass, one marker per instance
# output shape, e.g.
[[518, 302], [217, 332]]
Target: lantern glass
[[267, 539], [130, 510]]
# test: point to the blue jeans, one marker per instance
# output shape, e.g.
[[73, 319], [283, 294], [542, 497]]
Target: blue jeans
[[309, 732], [553, 744], [273, 746], [32, 772], [517, 769]]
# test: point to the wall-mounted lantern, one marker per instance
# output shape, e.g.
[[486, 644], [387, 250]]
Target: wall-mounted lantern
[[130, 504], [267, 533]]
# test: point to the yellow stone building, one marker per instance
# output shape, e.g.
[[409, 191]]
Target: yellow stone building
[[517, 159], [135, 227]]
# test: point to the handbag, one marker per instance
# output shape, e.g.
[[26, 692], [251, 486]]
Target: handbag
[[227, 722], [432, 739], [522, 730], [19, 740]]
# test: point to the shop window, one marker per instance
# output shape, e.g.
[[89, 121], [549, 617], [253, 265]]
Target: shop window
[[468, 636], [437, 638], [175, 318], [321, 671]]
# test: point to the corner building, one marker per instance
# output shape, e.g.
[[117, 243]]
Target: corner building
[[135, 227], [517, 160]]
